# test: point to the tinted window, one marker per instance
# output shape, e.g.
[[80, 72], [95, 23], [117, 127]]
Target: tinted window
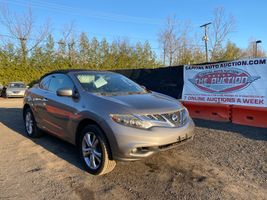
[[45, 83], [16, 85], [59, 81]]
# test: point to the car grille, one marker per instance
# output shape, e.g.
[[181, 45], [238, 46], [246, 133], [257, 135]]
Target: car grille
[[156, 117], [177, 118]]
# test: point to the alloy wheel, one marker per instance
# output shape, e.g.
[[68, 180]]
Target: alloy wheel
[[29, 123], [92, 152]]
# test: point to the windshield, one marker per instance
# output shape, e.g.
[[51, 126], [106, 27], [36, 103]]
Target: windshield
[[108, 83], [16, 85]]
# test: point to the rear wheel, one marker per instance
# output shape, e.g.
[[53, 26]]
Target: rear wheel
[[94, 151], [30, 124]]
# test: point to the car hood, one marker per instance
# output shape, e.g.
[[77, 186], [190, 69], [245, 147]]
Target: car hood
[[145, 103]]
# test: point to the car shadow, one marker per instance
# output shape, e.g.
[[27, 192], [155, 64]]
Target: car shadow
[[12, 118], [250, 132]]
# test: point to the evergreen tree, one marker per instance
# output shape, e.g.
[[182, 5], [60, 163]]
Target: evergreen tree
[[84, 50], [49, 50], [104, 53], [94, 53]]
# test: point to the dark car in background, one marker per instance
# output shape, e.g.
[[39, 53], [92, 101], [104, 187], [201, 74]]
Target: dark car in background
[[1, 89], [15, 89], [106, 115]]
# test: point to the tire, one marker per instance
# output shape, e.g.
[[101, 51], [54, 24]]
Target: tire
[[94, 151], [30, 124]]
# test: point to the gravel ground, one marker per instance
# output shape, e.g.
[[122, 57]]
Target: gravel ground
[[225, 161]]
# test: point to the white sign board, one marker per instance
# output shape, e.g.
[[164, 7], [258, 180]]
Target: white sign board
[[240, 82]]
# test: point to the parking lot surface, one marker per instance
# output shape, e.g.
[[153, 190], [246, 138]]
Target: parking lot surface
[[224, 161]]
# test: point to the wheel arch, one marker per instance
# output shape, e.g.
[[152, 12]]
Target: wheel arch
[[26, 106], [82, 124]]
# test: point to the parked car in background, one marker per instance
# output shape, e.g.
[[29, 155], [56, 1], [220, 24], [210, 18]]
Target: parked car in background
[[15, 89], [107, 116]]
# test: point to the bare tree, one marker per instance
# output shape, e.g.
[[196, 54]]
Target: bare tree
[[172, 40], [168, 40], [68, 41], [162, 39], [22, 28], [222, 26]]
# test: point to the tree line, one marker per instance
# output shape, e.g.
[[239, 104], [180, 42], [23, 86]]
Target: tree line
[[81, 54], [29, 51]]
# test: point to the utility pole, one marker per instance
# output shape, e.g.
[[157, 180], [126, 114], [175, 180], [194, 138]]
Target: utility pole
[[206, 39], [256, 48]]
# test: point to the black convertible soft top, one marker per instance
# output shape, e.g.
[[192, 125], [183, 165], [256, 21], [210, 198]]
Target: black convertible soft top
[[66, 71]]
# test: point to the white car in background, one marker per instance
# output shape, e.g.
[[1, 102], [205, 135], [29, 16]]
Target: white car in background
[[15, 89]]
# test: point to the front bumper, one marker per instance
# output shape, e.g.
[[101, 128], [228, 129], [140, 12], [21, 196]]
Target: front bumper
[[134, 144], [21, 94]]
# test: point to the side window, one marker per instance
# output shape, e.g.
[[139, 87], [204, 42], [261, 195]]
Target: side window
[[44, 84], [60, 81]]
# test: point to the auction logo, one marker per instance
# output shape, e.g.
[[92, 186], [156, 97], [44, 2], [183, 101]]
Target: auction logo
[[222, 81]]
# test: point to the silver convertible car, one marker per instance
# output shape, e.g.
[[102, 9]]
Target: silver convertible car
[[106, 115]]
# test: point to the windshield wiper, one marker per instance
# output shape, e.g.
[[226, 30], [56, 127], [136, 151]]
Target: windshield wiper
[[106, 93], [136, 92], [118, 93]]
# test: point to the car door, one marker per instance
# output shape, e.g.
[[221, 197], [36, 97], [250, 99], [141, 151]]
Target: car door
[[39, 97], [60, 111]]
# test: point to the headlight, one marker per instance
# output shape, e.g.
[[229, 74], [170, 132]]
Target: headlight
[[184, 115], [131, 120]]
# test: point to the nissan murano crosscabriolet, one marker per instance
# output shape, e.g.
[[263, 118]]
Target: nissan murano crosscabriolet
[[106, 115]]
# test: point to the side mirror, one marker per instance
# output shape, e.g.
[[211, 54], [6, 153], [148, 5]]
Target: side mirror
[[65, 92], [144, 87]]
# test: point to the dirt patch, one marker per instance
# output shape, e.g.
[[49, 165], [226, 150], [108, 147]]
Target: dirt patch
[[224, 161]]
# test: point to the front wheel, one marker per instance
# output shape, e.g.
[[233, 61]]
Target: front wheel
[[94, 151], [30, 124]]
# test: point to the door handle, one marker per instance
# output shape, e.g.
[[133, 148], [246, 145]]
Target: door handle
[[37, 99]]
